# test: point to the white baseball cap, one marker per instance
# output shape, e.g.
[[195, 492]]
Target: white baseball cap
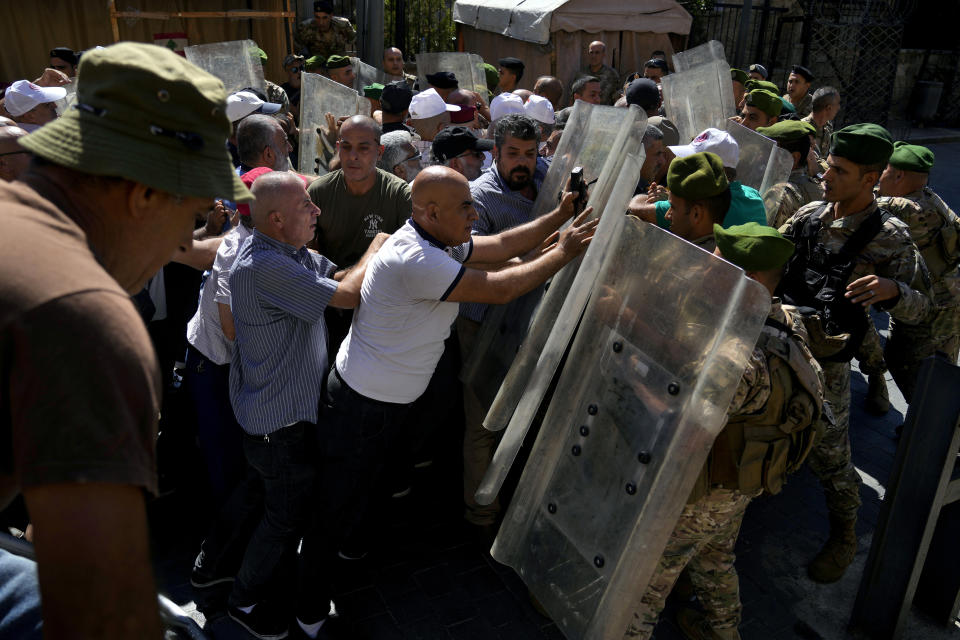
[[714, 141], [243, 103], [505, 104], [22, 96], [540, 109], [428, 104]]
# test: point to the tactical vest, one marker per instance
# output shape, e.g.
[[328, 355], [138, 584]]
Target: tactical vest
[[757, 451], [817, 278], [943, 254]]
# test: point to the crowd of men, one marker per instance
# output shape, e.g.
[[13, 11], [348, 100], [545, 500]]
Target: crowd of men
[[333, 310]]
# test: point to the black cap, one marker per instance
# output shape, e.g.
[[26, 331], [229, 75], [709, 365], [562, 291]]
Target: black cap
[[758, 68], [323, 6], [514, 64], [453, 141], [644, 93], [443, 80], [656, 62], [65, 54], [801, 70], [395, 97]]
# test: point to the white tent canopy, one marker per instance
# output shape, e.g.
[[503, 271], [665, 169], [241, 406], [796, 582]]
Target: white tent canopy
[[534, 20]]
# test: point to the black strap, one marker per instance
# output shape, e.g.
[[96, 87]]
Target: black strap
[[770, 322], [866, 232]]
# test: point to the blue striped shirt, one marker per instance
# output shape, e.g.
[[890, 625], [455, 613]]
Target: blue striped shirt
[[499, 209], [279, 361]]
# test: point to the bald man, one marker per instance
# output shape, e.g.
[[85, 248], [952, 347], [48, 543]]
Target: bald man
[[14, 159], [550, 88], [609, 77]]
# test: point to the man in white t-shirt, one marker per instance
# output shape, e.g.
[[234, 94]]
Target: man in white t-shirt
[[409, 300]]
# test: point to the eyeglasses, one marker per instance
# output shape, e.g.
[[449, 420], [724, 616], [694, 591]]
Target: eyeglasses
[[471, 152], [295, 69], [415, 156]]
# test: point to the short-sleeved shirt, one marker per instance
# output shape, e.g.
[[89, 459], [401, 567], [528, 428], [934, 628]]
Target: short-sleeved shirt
[[397, 334], [81, 383], [746, 205], [278, 296], [204, 331], [348, 223]]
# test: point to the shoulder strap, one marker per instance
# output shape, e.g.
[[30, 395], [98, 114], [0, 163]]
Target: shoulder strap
[[866, 232]]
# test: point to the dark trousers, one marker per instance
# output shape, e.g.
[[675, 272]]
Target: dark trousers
[[354, 438], [285, 461]]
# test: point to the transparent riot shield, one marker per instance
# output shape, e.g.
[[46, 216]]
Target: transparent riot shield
[[365, 74], [701, 54], [598, 138], [468, 67], [760, 157], [698, 98], [236, 63], [644, 392], [319, 96], [778, 169]]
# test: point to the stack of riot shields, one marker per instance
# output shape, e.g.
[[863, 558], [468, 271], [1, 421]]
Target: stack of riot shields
[[236, 63], [644, 391], [468, 67], [319, 96]]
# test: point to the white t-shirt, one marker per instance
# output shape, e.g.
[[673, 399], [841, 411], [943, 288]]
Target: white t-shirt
[[397, 333]]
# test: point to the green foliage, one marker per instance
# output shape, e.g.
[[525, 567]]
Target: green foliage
[[429, 26]]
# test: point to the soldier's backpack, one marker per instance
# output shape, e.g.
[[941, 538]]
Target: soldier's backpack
[[757, 451], [943, 256], [817, 278]]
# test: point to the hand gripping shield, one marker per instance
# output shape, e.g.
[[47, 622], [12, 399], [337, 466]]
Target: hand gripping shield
[[319, 96], [696, 56], [644, 392], [698, 98], [599, 139], [236, 63], [468, 67]]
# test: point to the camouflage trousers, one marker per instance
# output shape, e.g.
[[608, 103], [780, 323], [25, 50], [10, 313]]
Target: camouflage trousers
[[702, 542], [908, 346], [870, 353], [830, 458]]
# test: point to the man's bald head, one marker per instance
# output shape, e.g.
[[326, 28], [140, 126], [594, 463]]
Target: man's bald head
[[432, 184], [273, 192], [14, 159], [442, 205], [355, 123], [550, 88]]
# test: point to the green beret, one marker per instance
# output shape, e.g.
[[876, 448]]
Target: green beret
[[766, 85], [313, 62], [787, 106], [338, 62], [865, 143], [766, 101], [739, 75], [753, 246], [261, 54], [493, 75], [911, 157], [697, 176], [373, 91], [788, 130]]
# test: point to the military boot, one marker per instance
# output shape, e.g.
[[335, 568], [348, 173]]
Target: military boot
[[877, 401], [695, 626], [837, 553]]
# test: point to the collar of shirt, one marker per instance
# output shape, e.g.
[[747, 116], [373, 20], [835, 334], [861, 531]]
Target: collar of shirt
[[425, 235], [280, 247], [853, 220]]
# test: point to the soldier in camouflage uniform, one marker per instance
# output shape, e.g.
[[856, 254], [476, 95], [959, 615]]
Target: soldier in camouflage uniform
[[704, 537], [325, 35], [798, 83], [885, 272], [826, 105], [786, 198], [610, 85], [934, 228]]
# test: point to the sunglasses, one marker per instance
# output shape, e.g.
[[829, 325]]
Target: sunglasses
[[295, 69]]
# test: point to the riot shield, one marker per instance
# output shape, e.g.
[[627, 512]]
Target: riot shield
[[778, 169], [701, 54], [320, 95], [365, 74], [644, 392], [592, 132], [468, 67], [698, 98], [760, 157], [236, 63]]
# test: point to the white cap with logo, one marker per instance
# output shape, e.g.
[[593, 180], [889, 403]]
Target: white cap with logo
[[714, 141], [243, 103], [23, 96], [428, 104]]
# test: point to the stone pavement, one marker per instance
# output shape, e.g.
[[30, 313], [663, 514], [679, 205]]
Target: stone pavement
[[432, 579]]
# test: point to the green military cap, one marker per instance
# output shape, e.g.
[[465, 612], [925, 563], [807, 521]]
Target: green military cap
[[373, 91], [766, 101], [260, 53], [338, 62], [911, 157], [766, 85], [145, 114], [314, 62], [493, 75], [739, 75], [865, 143], [753, 246], [788, 130], [697, 176]]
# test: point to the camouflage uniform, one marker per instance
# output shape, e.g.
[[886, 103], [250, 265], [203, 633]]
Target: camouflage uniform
[[610, 84], [339, 39], [786, 198], [821, 139], [277, 95], [890, 254], [934, 228], [805, 107]]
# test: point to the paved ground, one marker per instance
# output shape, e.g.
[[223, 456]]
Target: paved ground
[[433, 580]]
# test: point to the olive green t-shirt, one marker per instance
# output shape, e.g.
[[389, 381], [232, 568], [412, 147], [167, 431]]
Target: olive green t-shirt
[[348, 223]]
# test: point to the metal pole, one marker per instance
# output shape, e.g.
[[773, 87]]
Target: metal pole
[[744, 30], [373, 45]]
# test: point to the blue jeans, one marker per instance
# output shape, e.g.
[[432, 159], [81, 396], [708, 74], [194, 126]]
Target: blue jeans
[[19, 598], [286, 463], [354, 437]]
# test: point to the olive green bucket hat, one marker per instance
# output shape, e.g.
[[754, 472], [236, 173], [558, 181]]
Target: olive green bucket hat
[[145, 114]]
